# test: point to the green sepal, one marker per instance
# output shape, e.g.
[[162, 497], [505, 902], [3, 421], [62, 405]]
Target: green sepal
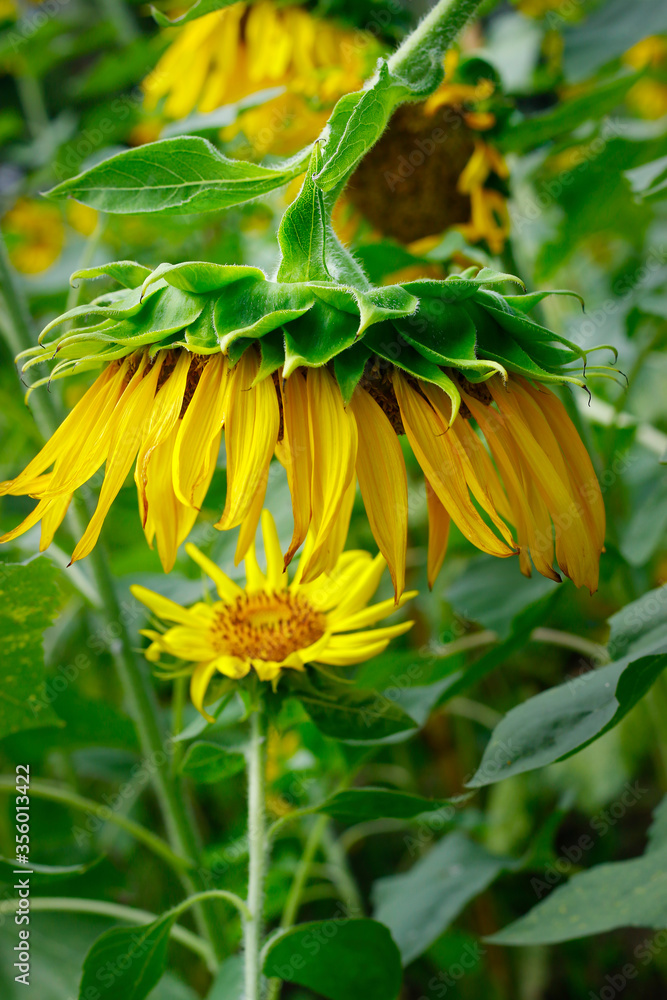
[[349, 367], [200, 8]]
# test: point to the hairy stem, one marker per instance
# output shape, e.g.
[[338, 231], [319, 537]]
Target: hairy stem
[[427, 44], [257, 846]]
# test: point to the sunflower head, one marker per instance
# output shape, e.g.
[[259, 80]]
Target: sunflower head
[[271, 625]]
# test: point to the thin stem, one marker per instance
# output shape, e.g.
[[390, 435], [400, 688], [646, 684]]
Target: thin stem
[[54, 793], [427, 44], [135, 681], [117, 912], [32, 103], [177, 708], [122, 20], [257, 845], [296, 889]]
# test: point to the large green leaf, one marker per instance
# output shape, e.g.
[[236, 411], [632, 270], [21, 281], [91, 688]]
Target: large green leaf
[[419, 905], [565, 719], [356, 805], [350, 714], [174, 176], [340, 959], [522, 136], [29, 601], [621, 894], [128, 962], [641, 625]]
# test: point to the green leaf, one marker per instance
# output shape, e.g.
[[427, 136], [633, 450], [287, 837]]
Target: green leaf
[[351, 715], [40, 874], [355, 805], [649, 182], [522, 136], [29, 602], [318, 336], [209, 762], [621, 894], [358, 121], [174, 177], [563, 720], [199, 9], [137, 956], [608, 32], [126, 272], [253, 309], [303, 232], [657, 832], [419, 905], [641, 625], [228, 984], [340, 959]]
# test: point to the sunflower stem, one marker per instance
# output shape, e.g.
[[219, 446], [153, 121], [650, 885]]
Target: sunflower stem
[[257, 848], [427, 44], [135, 682], [122, 19]]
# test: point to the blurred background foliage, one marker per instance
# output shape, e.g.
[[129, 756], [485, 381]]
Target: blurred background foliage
[[555, 118]]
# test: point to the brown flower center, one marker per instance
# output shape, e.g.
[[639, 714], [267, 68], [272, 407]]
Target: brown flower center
[[267, 626]]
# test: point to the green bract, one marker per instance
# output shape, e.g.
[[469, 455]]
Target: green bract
[[459, 323]]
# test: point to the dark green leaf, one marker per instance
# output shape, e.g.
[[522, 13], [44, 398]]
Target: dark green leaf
[[340, 959], [419, 905], [208, 762], [563, 720], [350, 714], [355, 805], [621, 894], [127, 961], [641, 625], [29, 601]]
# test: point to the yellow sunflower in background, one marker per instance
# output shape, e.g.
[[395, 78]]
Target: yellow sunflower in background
[[166, 416], [272, 625], [36, 234], [246, 48], [648, 97], [433, 169]]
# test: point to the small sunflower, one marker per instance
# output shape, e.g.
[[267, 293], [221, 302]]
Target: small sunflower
[[246, 48], [271, 625]]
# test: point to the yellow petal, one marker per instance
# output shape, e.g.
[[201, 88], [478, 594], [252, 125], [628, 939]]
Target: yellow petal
[[249, 525], [126, 437], [227, 589], [252, 422], [74, 428], [438, 534], [163, 607], [276, 577], [383, 483], [361, 590], [375, 613], [296, 455], [333, 443], [441, 464], [199, 427]]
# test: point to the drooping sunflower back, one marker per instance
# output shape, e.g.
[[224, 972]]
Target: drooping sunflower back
[[329, 379]]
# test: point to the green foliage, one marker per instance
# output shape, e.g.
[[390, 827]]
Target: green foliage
[[419, 905], [342, 960], [127, 961], [210, 762], [174, 176], [29, 601]]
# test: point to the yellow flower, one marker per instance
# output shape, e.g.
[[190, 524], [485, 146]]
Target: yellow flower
[[246, 48], [271, 625], [648, 97], [169, 413], [36, 235], [432, 171]]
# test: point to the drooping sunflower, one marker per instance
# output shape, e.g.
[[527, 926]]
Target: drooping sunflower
[[247, 48], [272, 625], [329, 378]]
